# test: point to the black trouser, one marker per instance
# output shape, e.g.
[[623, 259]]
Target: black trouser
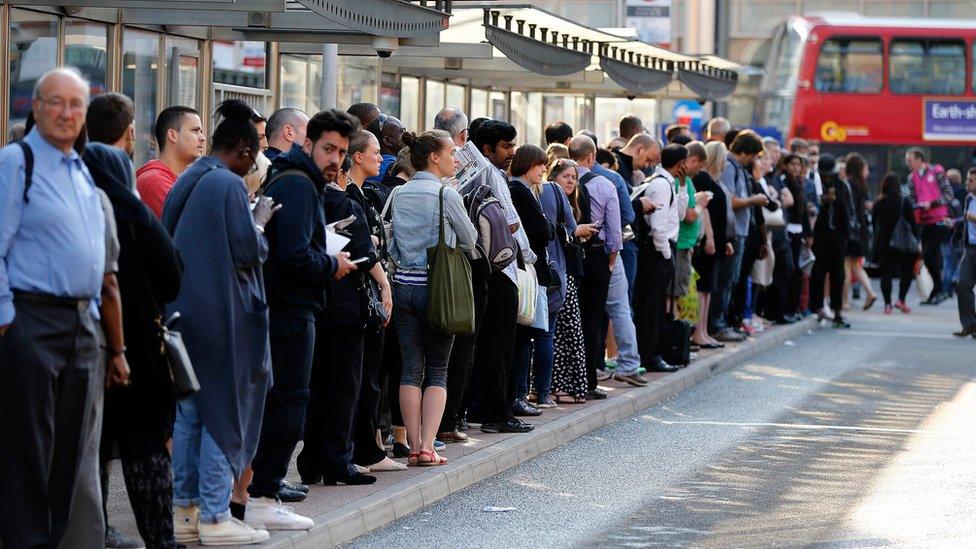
[[932, 238], [493, 351], [778, 295], [895, 264], [830, 254], [336, 378], [148, 477], [462, 353], [964, 288], [390, 370], [593, 308], [737, 307], [654, 275], [796, 275], [365, 449], [292, 348], [46, 359]]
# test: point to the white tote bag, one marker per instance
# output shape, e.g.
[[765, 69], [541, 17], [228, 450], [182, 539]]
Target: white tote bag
[[924, 283]]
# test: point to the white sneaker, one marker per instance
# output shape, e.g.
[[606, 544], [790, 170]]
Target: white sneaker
[[185, 524], [272, 515], [230, 532]]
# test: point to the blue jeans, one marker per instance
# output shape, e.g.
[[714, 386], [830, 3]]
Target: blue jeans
[[950, 264], [424, 351], [201, 473], [629, 257], [728, 275], [618, 310], [534, 351]]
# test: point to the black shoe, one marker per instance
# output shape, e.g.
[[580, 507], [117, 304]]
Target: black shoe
[[309, 479], [350, 480], [303, 488], [596, 394], [511, 426], [841, 323], [943, 296], [965, 332], [662, 366], [117, 540], [400, 450], [463, 424], [288, 495], [524, 409]]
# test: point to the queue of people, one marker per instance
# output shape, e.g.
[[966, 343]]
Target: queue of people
[[328, 280]]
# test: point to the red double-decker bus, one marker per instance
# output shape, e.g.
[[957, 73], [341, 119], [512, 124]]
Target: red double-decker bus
[[875, 85]]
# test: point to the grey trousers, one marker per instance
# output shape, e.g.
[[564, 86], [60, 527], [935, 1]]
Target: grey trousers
[[86, 524], [47, 359], [964, 288]]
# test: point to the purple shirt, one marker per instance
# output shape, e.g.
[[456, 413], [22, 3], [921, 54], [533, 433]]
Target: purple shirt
[[604, 209]]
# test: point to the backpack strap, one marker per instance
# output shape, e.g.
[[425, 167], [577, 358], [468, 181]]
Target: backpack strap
[[28, 167], [281, 175]]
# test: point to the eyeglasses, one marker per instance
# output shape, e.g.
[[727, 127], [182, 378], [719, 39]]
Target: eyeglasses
[[380, 121], [60, 104]]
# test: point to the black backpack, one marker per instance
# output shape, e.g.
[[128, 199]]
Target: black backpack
[[675, 336]]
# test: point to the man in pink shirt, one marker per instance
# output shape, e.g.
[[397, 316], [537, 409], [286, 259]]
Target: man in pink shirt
[[180, 138], [930, 194]]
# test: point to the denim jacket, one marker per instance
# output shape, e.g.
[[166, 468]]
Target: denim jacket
[[415, 207]]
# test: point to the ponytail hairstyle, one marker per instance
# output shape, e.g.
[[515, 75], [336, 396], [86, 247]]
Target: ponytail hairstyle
[[235, 129], [359, 141], [423, 145]]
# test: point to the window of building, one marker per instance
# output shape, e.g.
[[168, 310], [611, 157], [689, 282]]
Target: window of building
[[497, 105], [140, 68], [895, 8], [527, 117], [409, 102], [927, 65], [850, 65], [301, 81], [33, 51], [479, 103], [357, 80], [86, 49], [240, 63], [434, 103], [182, 71], [455, 98], [952, 10], [390, 93]]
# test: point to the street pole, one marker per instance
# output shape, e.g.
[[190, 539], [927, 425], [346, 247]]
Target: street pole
[[329, 96], [721, 108]]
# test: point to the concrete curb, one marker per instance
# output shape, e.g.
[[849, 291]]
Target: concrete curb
[[364, 515]]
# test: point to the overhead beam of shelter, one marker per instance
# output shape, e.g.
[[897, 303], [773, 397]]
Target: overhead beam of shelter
[[394, 18]]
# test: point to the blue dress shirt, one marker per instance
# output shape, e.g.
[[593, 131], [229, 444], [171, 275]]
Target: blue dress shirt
[[55, 244], [623, 193]]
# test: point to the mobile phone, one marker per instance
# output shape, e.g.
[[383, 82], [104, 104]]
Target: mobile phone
[[358, 261]]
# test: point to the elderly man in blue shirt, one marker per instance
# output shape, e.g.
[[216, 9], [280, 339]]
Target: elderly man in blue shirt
[[52, 260]]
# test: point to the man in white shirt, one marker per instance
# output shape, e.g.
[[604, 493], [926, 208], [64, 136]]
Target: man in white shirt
[[656, 253]]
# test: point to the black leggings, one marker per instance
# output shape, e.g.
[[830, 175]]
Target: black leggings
[[932, 238], [896, 265], [830, 261], [593, 307], [149, 483]]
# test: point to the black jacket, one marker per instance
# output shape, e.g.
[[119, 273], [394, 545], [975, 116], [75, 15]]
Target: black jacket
[[149, 276], [886, 213], [833, 222], [797, 213], [625, 167], [298, 269], [346, 301], [717, 209], [539, 230]]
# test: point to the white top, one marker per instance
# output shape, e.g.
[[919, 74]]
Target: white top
[[499, 188], [666, 219]]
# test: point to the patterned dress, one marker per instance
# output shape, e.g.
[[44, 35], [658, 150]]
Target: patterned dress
[[569, 359]]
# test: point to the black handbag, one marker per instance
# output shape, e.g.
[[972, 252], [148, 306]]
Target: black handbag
[[903, 239], [675, 336], [171, 345]]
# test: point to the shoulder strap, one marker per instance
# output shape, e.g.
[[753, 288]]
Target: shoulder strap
[[28, 167], [560, 211], [388, 206], [440, 224], [587, 177], [281, 175]]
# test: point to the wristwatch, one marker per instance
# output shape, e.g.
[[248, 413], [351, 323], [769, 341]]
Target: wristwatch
[[117, 352]]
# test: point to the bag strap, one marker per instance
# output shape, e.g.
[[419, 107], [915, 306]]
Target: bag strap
[[560, 209], [281, 175], [388, 206], [440, 224], [145, 277], [28, 167]]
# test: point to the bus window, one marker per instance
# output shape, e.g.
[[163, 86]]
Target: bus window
[[926, 65], [849, 65]]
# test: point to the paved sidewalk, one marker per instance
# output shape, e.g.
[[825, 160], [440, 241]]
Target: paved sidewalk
[[346, 512]]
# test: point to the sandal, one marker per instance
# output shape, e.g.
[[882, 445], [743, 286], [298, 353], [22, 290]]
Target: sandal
[[413, 460], [434, 460]]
